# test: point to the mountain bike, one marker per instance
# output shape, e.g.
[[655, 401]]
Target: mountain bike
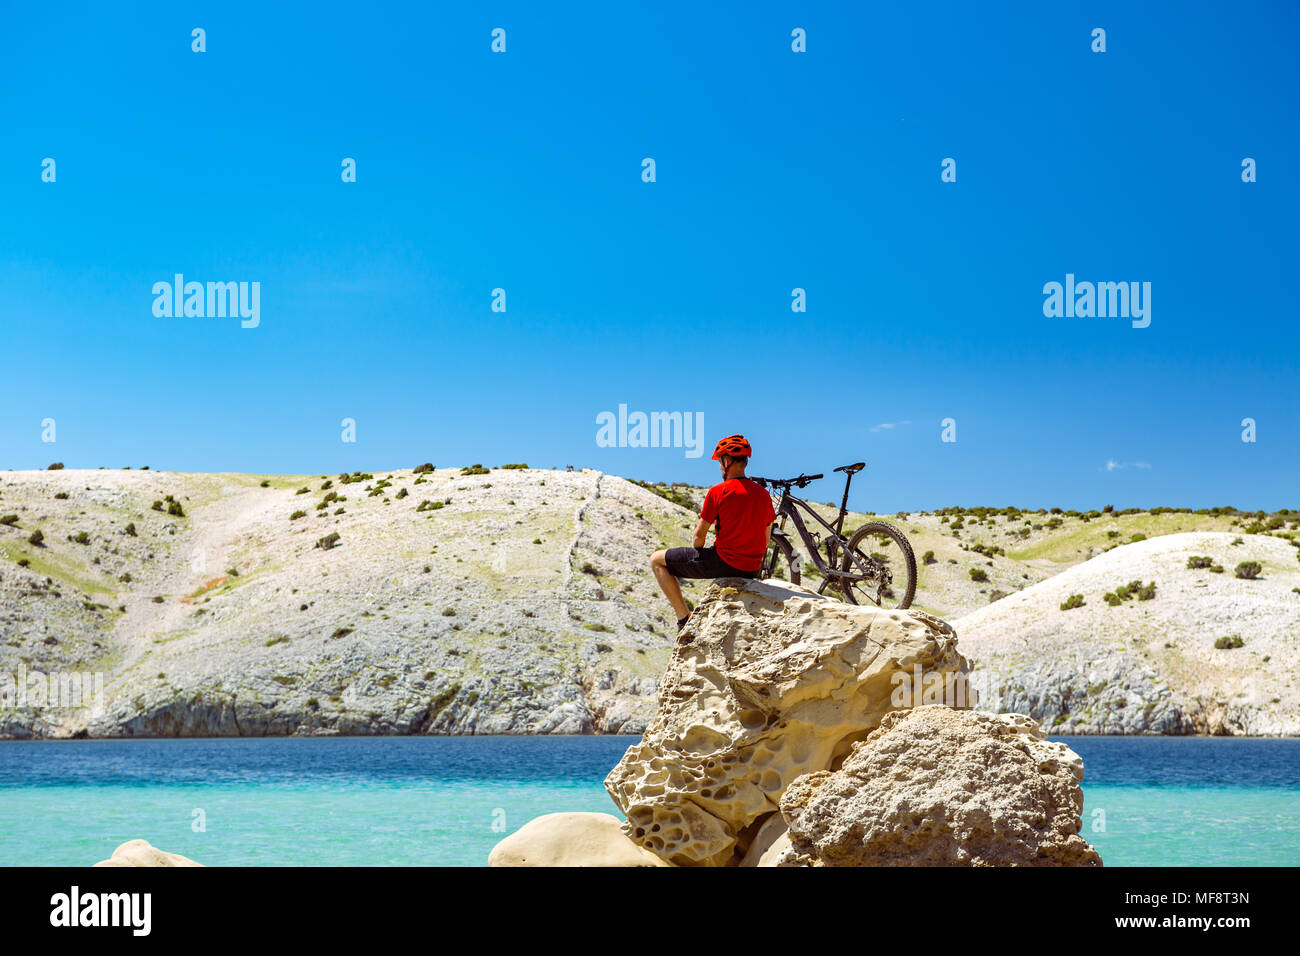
[[860, 567]]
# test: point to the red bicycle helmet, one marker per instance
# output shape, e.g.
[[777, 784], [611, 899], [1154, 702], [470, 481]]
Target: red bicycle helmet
[[733, 445]]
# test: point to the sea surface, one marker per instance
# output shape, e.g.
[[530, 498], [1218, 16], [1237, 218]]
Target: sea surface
[[419, 801]]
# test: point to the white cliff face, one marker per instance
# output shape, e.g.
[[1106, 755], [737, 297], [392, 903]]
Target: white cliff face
[[1149, 666], [767, 682], [521, 603], [537, 613]]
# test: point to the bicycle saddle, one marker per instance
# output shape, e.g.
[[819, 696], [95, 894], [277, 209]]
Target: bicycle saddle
[[852, 469]]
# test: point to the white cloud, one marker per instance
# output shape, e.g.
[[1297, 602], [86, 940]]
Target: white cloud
[[1113, 465], [885, 426]]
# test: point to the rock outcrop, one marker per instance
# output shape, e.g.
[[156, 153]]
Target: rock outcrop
[[768, 682], [935, 786], [141, 853], [571, 839]]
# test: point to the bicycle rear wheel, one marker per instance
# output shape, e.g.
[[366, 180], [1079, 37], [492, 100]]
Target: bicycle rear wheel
[[886, 554]]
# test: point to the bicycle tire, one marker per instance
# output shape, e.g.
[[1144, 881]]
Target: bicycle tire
[[781, 550], [881, 529]]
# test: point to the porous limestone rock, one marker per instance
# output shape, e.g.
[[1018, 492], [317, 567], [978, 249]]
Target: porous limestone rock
[[141, 853], [768, 681], [934, 786], [571, 839], [770, 842]]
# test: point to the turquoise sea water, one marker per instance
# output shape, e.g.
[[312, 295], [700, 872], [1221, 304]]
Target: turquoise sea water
[[447, 800]]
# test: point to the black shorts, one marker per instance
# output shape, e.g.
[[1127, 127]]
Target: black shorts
[[701, 563]]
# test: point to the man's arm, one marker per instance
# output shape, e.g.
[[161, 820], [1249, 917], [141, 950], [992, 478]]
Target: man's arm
[[701, 533]]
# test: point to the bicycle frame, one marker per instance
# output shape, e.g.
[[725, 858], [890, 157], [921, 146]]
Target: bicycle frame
[[789, 507]]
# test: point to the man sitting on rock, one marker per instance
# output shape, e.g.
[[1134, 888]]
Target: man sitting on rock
[[743, 513]]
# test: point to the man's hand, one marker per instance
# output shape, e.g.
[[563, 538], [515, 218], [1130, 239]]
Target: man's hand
[[701, 533]]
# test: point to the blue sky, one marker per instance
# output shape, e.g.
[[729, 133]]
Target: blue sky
[[775, 170]]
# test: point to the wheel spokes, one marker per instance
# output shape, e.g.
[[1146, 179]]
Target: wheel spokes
[[880, 564]]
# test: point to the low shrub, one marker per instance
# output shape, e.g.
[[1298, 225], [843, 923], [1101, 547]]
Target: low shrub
[[1134, 589], [1248, 570], [929, 558], [1073, 601], [978, 574], [330, 540], [1228, 643]]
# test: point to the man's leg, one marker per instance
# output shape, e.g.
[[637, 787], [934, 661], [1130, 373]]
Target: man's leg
[[668, 584]]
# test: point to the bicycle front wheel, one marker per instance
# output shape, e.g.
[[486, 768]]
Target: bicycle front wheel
[[781, 562], [883, 556]]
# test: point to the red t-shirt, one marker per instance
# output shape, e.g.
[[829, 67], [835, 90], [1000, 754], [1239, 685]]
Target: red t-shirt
[[743, 510]]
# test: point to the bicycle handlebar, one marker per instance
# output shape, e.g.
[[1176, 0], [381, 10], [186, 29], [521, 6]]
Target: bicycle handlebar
[[800, 482]]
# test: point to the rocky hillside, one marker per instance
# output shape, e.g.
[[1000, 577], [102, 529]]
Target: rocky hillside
[[455, 600], [1163, 636]]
